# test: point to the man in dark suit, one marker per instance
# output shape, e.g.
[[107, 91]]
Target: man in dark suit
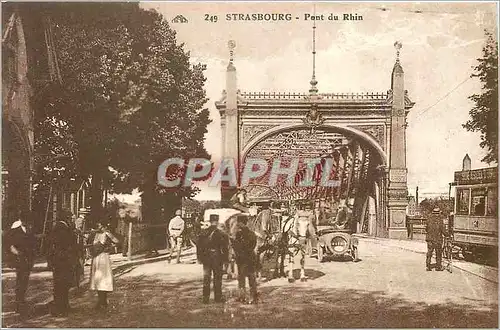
[[21, 246], [434, 237], [244, 248], [212, 252], [64, 257]]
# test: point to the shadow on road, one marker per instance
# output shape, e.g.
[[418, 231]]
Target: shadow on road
[[155, 302]]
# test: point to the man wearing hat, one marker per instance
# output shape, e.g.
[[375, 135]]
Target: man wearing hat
[[20, 243], [244, 244], [434, 237], [212, 251], [175, 230], [63, 254]]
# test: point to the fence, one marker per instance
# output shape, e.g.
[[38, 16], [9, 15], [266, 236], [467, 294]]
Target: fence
[[139, 237]]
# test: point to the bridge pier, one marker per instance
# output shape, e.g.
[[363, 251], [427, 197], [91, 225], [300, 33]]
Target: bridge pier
[[397, 192]]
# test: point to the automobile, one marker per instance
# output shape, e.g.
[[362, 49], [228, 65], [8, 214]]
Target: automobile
[[336, 242]]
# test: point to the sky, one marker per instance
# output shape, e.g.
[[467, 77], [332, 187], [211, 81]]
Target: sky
[[441, 42]]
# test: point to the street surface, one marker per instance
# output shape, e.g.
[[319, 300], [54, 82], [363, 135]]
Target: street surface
[[389, 287]]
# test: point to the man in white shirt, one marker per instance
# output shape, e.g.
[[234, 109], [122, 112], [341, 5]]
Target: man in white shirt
[[175, 230], [21, 247]]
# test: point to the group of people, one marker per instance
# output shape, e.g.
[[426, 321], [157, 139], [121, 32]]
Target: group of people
[[213, 253], [213, 246], [64, 257]]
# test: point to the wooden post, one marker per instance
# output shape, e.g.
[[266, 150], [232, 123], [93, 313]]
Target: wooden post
[[129, 249], [72, 204]]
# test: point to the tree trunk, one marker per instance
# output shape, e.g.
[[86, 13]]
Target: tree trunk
[[151, 214], [96, 210], [171, 203]]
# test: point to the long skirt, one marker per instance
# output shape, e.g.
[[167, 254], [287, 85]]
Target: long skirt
[[101, 274]]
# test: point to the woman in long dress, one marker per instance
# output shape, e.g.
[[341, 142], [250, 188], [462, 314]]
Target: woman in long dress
[[101, 274]]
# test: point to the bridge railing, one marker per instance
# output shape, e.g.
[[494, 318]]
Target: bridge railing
[[324, 96], [273, 95], [354, 96]]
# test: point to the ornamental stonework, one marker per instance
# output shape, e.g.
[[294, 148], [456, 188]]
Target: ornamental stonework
[[398, 112], [250, 131], [397, 175], [377, 132], [401, 194]]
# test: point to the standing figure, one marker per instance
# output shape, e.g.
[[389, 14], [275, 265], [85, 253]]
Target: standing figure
[[21, 245], [244, 242], [80, 223], [265, 230], [303, 229], [101, 274], [212, 252], [342, 217], [175, 230], [193, 236], [434, 237], [64, 256], [80, 251]]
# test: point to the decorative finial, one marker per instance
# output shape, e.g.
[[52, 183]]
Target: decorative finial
[[398, 45], [313, 90], [231, 45]]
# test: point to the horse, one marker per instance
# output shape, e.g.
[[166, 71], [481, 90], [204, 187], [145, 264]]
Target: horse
[[275, 237], [294, 229], [270, 239], [259, 224]]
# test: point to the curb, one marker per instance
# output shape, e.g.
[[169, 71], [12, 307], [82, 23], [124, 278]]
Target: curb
[[382, 239], [379, 240]]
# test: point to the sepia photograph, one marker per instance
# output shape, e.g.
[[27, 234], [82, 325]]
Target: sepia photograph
[[249, 164]]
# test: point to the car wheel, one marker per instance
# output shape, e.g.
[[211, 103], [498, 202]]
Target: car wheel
[[468, 255]]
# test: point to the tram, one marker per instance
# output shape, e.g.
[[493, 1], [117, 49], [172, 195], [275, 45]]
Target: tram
[[475, 220]]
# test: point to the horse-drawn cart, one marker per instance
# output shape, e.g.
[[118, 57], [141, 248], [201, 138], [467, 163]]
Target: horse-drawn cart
[[336, 242]]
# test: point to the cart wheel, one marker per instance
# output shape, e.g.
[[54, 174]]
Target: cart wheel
[[320, 254]]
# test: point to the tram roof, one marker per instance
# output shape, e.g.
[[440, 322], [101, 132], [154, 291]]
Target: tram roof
[[477, 176]]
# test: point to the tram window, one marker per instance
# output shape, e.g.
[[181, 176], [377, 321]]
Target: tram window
[[463, 201], [479, 201], [492, 201]]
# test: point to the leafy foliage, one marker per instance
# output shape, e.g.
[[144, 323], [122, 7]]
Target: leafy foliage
[[429, 204], [130, 98], [484, 115]]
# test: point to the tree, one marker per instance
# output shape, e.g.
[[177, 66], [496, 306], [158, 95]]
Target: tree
[[429, 204], [171, 121], [77, 121], [129, 98], [484, 115]]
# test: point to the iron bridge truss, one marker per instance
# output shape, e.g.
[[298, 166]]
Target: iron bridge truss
[[353, 164]]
